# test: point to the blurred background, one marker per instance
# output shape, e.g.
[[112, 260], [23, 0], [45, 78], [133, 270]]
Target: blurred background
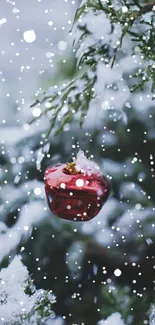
[[106, 265], [35, 37]]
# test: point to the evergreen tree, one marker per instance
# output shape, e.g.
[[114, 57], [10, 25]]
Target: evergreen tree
[[102, 269]]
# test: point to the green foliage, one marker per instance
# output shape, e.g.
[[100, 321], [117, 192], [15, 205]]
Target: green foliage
[[62, 105], [116, 299], [77, 95], [41, 312], [17, 289]]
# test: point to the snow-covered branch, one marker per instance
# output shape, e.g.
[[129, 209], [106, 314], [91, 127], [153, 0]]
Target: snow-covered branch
[[20, 302]]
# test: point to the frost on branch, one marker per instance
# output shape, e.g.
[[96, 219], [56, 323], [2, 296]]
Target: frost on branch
[[85, 165], [106, 32], [20, 302]]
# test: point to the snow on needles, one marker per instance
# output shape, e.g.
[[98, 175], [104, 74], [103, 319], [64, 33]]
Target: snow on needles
[[12, 296], [85, 165], [17, 307]]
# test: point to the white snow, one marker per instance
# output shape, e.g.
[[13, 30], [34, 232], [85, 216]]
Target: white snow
[[62, 45], [124, 9], [36, 112], [117, 272], [14, 302], [112, 320], [30, 215], [12, 295], [29, 36], [37, 191], [85, 165], [152, 316], [79, 182], [3, 21]]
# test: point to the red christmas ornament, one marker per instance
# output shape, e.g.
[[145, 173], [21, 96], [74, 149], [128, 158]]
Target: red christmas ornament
[[75, 194]]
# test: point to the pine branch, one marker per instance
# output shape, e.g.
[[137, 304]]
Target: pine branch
[[77, 95], [126, 29]]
